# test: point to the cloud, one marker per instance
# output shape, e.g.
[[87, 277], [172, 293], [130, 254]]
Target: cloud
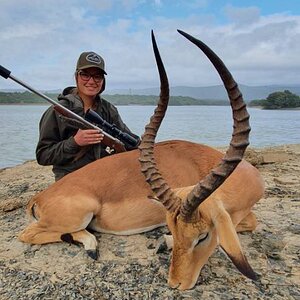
[[242, 16], [41, 41]]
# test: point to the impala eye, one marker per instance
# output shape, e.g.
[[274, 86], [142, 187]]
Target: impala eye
[[202, 238]]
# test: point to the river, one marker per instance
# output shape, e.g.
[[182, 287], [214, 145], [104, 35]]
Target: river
[[211, 125]]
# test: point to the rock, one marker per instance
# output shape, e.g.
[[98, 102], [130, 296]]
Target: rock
[[271, 157]]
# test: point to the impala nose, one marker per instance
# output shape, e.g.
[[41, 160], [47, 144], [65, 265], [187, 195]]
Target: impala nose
[[184, 285], [174, 284]]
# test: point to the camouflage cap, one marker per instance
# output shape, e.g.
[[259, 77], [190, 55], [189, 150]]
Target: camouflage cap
[[89, 60]]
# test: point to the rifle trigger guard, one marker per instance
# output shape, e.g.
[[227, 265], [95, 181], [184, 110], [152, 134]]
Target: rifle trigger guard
[[110, 150]]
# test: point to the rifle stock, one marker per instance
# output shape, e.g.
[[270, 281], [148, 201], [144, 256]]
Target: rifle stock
[[108, 140]]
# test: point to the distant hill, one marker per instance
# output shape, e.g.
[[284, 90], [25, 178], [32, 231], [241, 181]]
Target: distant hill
[[216, 92], [23, 97], [30, 98], [210, 95]]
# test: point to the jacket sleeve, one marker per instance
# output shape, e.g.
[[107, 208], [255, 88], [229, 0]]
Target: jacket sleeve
[[52, 147]]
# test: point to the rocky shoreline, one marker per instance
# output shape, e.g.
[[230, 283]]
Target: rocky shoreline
[[130, 268]]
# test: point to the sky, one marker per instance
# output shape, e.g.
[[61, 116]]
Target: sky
[[259, 41]]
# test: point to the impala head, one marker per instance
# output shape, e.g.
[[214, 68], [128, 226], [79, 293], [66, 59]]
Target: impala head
[[194, 242], [196, 218]]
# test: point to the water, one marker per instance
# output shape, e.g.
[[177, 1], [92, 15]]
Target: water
[[211, 125]]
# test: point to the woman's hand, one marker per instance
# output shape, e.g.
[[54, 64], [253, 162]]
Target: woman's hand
[[88, 137]]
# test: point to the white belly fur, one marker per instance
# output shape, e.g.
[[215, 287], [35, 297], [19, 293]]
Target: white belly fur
[[94, 227]]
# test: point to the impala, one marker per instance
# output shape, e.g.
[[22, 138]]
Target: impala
[[205, 198]]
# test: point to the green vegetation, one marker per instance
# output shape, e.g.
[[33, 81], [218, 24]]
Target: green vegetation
[[152, 100], [30, 98], [278, 100], [23, 98]]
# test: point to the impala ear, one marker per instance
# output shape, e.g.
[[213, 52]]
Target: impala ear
[[229, 242]]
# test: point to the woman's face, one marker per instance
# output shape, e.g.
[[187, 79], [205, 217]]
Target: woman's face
[[89, 81]]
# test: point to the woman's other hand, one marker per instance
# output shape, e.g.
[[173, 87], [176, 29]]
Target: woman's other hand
[[88, 137]]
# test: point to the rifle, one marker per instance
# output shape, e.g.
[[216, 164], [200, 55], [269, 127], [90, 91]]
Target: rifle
[[109, 139]]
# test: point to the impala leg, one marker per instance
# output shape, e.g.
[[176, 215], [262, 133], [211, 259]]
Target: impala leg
[[36, 234], [164, 243], [249, 223], [86, 238]]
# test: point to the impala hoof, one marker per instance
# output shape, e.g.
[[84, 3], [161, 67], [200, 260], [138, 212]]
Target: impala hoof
[[93, 254], [161, 246], [67, 237]]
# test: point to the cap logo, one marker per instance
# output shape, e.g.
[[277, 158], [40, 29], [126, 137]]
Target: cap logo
[[94, 58]]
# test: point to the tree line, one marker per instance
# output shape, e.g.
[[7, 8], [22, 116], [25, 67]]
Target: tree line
[[30, 98], [278, 100]]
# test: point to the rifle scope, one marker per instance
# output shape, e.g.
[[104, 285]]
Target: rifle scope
[[128, 140]]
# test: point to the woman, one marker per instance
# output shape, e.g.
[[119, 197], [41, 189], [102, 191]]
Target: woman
[[62, 145]]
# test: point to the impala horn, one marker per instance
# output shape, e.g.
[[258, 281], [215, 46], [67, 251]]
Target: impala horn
[[238, 143], [146, 147]]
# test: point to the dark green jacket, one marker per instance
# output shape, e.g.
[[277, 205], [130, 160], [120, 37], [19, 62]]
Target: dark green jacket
[[56, 145]]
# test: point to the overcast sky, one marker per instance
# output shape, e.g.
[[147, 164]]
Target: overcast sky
[[258, 40]]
